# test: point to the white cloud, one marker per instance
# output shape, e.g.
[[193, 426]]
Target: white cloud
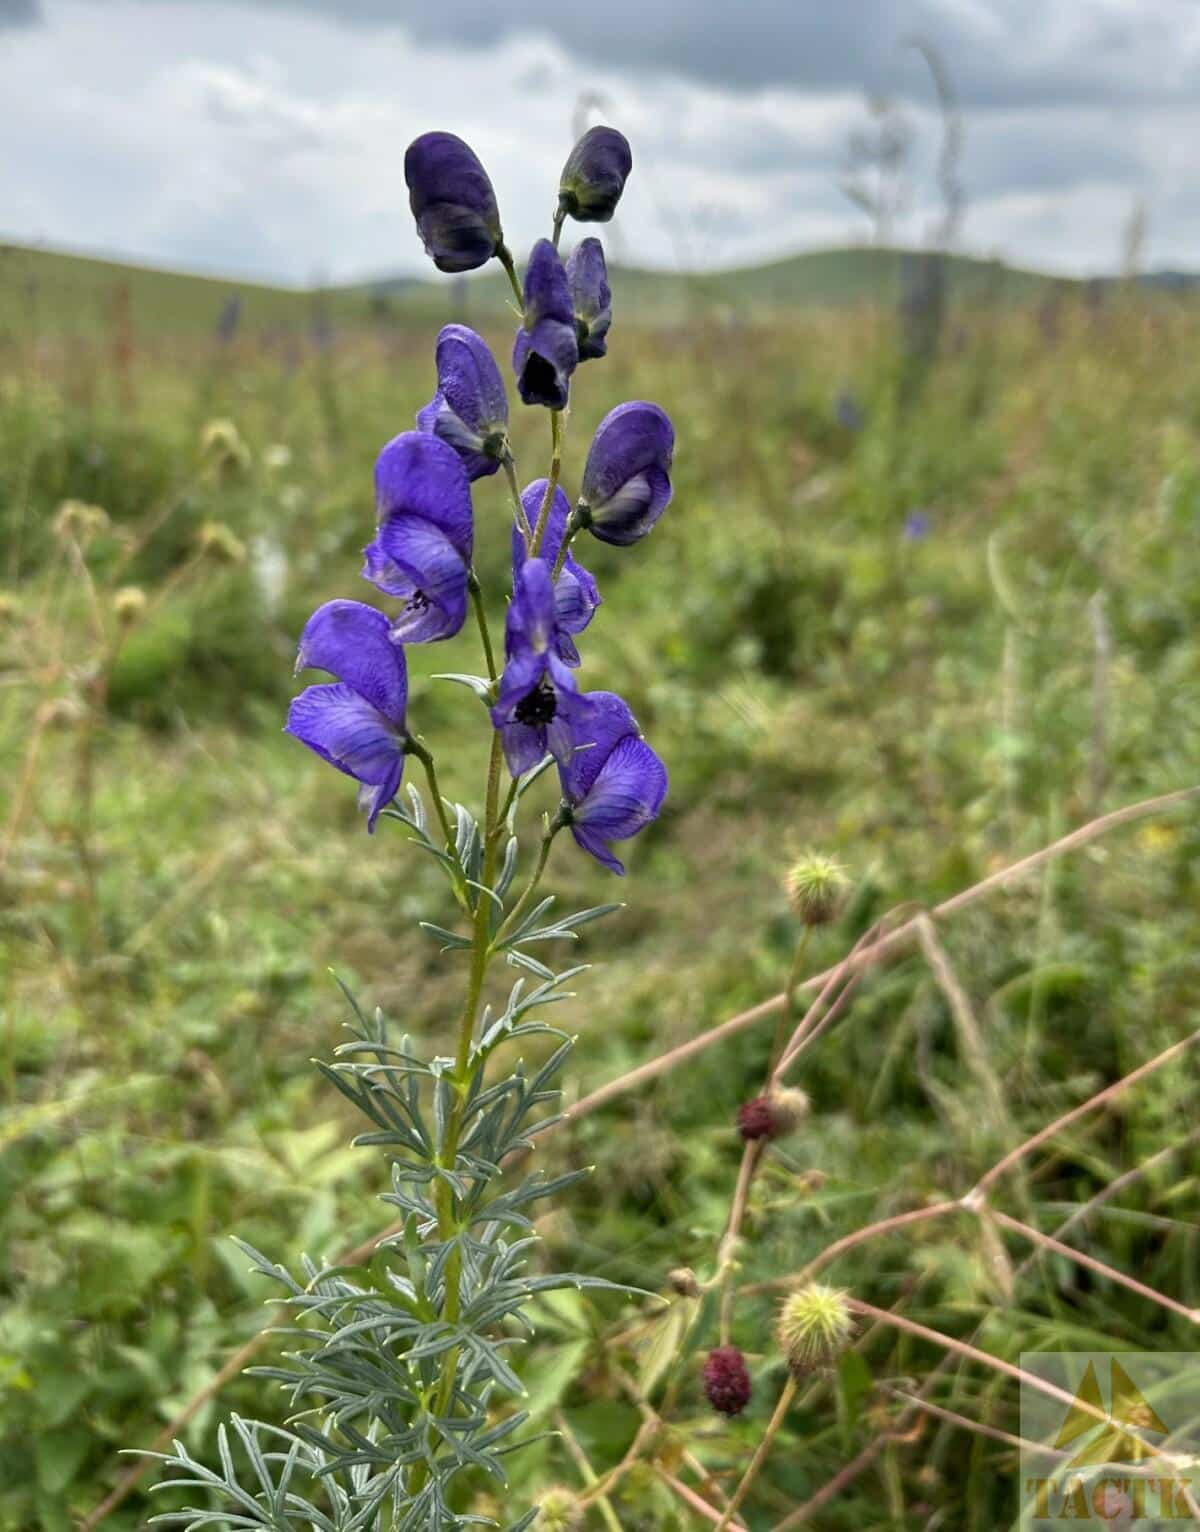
[[270, 141]]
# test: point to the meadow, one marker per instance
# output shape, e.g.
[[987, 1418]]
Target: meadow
[[926, 636]]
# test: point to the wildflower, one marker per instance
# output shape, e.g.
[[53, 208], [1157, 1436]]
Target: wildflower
[[816, 886], [422, 547], [78, 519], [356, 723], [559, 1511], [917, 526], [848, 412], [221, 542], [814, 1327], [774, 1115], [470, 409], [591, 298], [726, 1380], [538, 700], [576, 595], [453, 201], [128, 603], [594, 176], [222, 444], [626, 479], [546, 351], [613, 782]]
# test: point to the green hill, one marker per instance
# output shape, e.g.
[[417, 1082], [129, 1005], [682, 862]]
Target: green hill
[[48, 294]]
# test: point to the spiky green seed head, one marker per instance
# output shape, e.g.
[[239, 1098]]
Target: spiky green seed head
[[78, 519], [816, 886], [129, 603], [559, 1511], [814, 1328], [682, 1281]]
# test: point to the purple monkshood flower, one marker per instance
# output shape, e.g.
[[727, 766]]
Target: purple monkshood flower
[[546, 351], [576, 595], [591, 297], [613, 783], [626, 479], [469, 412], [538, 704], [453, 202], [594, 176], [357, 722], [422, 547]]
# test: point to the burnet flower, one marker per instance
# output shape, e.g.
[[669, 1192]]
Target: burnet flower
[[538, 704], [627, 476], [469, 412], [422, 547], [594, 176], [546, 350], [453, 201], [613, 783], [357, 722], [576, 595], [591, 298]]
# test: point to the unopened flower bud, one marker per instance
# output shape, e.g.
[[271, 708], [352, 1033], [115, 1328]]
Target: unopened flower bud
[[682, 1281], [816, 886], [559, 1510], [594, 176], [774, 1115], [726, 1380], [627, 476], [221, 443], [129, 603], [814, 1328], [218, 540], [78, 519], [453, 201], [591, 298]]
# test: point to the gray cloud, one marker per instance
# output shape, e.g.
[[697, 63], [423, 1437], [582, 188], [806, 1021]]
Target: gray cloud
[[19, 13]]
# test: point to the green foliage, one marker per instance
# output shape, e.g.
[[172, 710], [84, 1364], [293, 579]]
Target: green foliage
[[924, 711]]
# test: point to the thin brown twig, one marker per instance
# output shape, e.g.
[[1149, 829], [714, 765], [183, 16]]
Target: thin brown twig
[[1082, 836]]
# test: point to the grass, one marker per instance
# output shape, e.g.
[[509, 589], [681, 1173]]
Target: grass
[[922, 709]]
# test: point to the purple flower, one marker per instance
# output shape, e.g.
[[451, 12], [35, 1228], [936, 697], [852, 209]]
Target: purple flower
[[422, 547], [469, 412], [538, 702], [356, 723], [594, 176], [613, 783], [576, 595], [917, 526], [626, 479], [591, 298], [546, 351], [453, 202]]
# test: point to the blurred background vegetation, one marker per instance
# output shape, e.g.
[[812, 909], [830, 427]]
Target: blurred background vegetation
[[923, 606]]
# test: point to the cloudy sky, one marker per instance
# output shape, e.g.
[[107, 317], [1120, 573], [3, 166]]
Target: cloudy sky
[[266, 137]]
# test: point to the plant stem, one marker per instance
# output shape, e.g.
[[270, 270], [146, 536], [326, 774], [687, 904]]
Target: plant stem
[[413, 746], [789, 997], [760, 1455], [514, 489], [476, 591], [560, 216], [573, 526], [530, 889], [504, 256], [556, 441]]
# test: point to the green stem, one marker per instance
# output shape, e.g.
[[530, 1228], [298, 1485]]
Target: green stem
[[504, 256], [760, 1455], [476, 591], [560, 216], [510, 472], [787, 1015], [413, 746], [556, 442], [573, 526]]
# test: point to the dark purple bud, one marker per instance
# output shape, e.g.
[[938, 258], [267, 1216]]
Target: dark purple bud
[[591, 298], [546, 351], [576, 595], [727, 1380], [772, 1116], [469, 412], [755, 1119], [453, 202], [594, 176], [626, 479]]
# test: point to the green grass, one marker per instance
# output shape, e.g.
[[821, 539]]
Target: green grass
[[923, 710]]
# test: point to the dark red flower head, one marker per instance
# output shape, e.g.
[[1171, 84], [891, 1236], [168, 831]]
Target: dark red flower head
[[726, 1381], [756, 1119]]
